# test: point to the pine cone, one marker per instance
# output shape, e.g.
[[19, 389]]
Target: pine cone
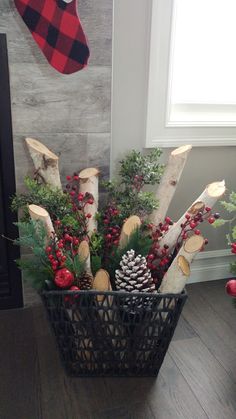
[[85, 282], [134, 275]]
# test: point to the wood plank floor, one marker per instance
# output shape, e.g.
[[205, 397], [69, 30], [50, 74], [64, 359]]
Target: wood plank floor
[[197, 379]]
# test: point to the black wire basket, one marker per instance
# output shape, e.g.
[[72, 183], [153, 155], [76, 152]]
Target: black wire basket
[[113, 333]]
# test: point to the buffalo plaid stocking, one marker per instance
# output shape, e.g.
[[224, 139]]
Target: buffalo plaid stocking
[[56, 28]]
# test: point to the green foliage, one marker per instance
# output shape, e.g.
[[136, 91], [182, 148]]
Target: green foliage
[[138, 241], [220, 222], [96, 263], [74, 264], [147, 167], [136, 171], [54, 201], [230, 206], [35, 266]]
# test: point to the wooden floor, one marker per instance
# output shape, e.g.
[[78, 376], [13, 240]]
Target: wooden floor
[[196, 381]]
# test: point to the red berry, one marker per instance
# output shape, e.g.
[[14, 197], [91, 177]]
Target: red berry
[[58, 253], [115, 212], [216, 215], [208, 209], [106, 221], [108, 236], [60, 245], [151, 256], [68, 177], [231, 287], [76, 177], [168, 220], [50, 257], [72, 193], [67, 237], [57, 222], [89, 215], [197, 232], [64, 278], [184, 236], [192, 225], [116, 242], [90, 201], [206, 241], [63, 258], [187, 216], [76, 242], [74, 288], [211, 220], [48, 249], [80, 197]]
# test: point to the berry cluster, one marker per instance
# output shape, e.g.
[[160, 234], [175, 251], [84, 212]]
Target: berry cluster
[[192, 221], [57, 250], [111, 227], [79, 200]]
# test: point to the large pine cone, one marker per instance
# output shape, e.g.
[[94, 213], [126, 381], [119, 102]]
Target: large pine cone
[[134, 275], [85, 282]]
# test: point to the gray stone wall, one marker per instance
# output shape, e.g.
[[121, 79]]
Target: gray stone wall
[[69, 113]]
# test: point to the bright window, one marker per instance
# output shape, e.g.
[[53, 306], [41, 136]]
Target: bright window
[[192, 79]]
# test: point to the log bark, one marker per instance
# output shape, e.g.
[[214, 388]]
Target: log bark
[[169, 182], [39, 213], [89, 183], [208, 198], [129, 226], [84, 255], [45, 163], [179, 271]]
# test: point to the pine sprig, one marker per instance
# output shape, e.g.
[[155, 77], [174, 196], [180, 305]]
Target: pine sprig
[[36, 266], [54, 201]]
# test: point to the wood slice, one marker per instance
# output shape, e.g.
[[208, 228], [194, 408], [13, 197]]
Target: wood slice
[[87, 173], [83, 250], [194, 244], [101, 282], [183, 264], [131, 224]]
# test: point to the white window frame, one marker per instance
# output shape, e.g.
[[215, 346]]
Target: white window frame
[[160, 131]]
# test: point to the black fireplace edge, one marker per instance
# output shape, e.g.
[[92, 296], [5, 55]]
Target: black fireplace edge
[[12, 277]]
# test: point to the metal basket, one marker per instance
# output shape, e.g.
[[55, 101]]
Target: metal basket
[[113, 333]]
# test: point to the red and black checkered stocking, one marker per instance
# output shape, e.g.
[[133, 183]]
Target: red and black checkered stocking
[[56, 27]]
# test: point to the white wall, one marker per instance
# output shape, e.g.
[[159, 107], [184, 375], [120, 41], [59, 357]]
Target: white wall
[[130, 71]]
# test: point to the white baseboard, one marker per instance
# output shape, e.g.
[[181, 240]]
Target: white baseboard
[[211, 265]]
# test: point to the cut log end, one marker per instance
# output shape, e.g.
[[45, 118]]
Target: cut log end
[[38, 211], [83, 250], [216, 189], [181, 150], [183, 264], [101, 282], [40, 148], [89, 172], [131, 224], [194, 244]]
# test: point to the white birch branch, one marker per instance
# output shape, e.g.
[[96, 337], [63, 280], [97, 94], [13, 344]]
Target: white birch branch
[[169, 182], [179, 271], [89, 183], [45, 162], [207, 199], [40, 214]]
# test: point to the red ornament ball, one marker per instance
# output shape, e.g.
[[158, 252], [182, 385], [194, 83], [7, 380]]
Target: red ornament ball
[[231, 287], [63, 278]]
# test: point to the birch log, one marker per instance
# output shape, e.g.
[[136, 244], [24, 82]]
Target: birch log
[[40, 214], [169, 182], [102, 282], [129, 226], [84, 255], [207, 199], [89, 183], [45, 162], [179, 271]]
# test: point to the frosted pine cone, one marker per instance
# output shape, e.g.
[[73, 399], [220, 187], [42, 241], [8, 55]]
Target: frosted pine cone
[[85, 282], [134, 275]]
